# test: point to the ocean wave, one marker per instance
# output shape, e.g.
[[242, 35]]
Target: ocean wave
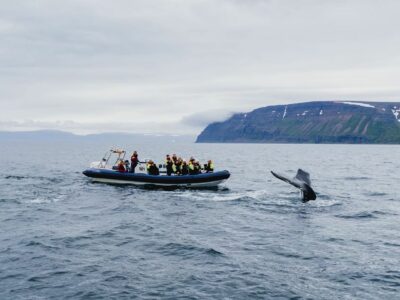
[[359, 215], [184, 250], [335, 240], [350, 178], [44, 276], [54, 179], [376, 194], [390, 278], [384, 213], [46, 199], [16, 201], [288, 254], [116, 278], [14, 177], [34, 243], [286, 199], [324, 203], [391, 244], [17, 276], [366, 214], [241, 196]]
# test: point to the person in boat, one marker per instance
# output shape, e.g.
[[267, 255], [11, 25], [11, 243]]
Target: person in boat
[[121, 166], [152, 168], [209, 167], [174, 158], [197, 167], [191, 166], [169, 164], [184, 168], [178, 166], [174, 169], [127, 165], [134, 161]]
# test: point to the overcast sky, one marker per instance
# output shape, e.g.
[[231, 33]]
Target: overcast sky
[[173, 66]]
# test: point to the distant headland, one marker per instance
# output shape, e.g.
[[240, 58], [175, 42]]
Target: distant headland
[[117, 137], [350, 122]]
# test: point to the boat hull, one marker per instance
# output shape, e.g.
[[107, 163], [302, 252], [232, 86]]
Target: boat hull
[[204, 180]]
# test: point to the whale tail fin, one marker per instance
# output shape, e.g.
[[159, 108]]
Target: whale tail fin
[[303, 176], [308, 193], [301, 181], [286, 179]]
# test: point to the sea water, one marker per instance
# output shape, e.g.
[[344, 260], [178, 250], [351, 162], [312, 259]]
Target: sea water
[[63, 237]]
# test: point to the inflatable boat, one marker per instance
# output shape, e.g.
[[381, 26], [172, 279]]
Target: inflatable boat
[[102, 172], [189, 181]]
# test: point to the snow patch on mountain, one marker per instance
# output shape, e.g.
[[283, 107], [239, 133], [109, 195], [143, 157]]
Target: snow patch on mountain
[[396, 113], [359, 104]]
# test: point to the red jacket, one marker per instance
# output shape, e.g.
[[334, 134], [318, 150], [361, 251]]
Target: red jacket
[[121, 168], [134, 160]]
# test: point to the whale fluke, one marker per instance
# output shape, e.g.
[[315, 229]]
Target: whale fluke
[[301, 181]]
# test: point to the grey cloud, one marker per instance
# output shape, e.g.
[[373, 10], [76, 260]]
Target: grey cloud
[[145, 62], [176, 128], [204, 118]]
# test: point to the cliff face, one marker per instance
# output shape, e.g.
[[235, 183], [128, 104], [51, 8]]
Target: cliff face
[[311, 122]]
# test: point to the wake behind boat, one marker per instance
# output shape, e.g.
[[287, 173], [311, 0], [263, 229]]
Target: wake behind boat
[[108, 173]]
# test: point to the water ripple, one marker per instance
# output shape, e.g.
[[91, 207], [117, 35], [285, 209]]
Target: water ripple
[[184, 250], [63, 237]]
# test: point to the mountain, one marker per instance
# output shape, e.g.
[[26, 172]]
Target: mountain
[[311, 122], [38, 135], [112, 137]]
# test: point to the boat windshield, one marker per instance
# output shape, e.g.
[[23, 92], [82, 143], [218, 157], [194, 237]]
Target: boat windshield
[[110, 159]]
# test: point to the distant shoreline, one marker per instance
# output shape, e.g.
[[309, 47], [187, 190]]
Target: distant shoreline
[[289, 143]]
